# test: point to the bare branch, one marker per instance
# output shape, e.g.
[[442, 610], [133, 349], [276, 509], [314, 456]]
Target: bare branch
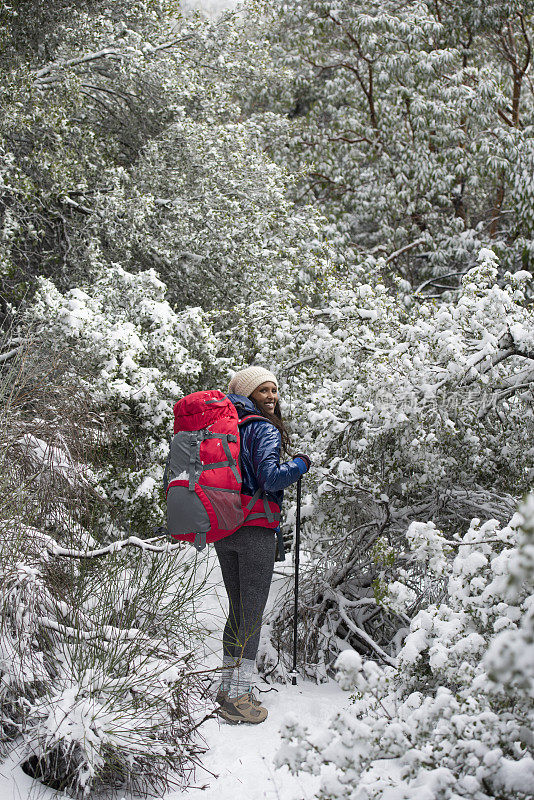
[[168, 45], [338, 65], [404, 249], [352, 39], [361, 634], [527, 41], [506, 119], [350, 141]]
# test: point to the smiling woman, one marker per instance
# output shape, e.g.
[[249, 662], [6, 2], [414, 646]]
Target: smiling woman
[[247, 556], [261, 387], [266, 396]]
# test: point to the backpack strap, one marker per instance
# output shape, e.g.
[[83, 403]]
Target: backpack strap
[[250, 417], [200, 541], [166, 471], [194, 458], [256, 496], [267, 513]]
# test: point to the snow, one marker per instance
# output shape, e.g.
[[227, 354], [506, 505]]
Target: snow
[[15, 785], [146, 488], [210, 7], [242, 756], [327, 738], [516, 776]]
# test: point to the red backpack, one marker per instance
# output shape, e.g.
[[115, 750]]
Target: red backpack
[[203, 473]]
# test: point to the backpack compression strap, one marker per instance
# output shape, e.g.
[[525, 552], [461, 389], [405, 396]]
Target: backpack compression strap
[[225, 438]]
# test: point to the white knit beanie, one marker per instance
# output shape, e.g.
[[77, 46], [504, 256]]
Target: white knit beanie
[[246, 380]]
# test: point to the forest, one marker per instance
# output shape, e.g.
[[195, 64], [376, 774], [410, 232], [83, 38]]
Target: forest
[[340, 191]]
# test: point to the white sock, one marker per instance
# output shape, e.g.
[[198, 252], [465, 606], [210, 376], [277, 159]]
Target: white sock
[[227, 670], [242, 677]]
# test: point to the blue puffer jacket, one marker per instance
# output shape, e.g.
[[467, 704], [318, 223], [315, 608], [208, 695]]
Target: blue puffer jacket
[[260, 455]]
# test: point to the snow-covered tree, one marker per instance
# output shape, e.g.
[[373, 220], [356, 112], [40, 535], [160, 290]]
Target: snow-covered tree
[[412, 126], [84, 96], [210, 212]]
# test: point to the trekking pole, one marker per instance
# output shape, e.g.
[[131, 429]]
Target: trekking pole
[[297, 555]]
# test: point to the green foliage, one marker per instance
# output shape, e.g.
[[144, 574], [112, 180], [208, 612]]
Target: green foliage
[[410, 125]]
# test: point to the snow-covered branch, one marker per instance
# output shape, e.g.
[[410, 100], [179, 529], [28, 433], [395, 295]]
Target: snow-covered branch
[[132, 541], [10, 354], [405, 249], [59, 66]]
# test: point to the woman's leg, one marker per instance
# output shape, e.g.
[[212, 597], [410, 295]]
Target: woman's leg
[[255, 547], [229, 561]]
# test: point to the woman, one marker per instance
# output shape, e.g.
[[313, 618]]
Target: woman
[[247, 556]]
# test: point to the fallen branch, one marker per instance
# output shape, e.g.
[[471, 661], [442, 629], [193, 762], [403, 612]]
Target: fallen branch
[[362, 634], [132, 541]]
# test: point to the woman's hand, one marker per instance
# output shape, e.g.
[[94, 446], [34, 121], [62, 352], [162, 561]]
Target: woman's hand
[[306, 462]]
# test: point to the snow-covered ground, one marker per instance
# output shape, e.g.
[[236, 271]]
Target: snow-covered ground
[[241, 756], [239, 761]]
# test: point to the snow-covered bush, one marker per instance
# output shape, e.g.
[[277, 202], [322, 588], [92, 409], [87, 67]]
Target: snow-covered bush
[[120, 705], [137, 357], [510, 657], [453, 718], [96, 653]]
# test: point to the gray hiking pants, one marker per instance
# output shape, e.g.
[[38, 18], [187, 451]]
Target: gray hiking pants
[[247, 561]]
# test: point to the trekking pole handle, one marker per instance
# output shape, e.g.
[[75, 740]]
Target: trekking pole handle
[[297, 560]]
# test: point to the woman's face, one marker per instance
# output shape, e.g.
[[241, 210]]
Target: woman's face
[[266, 396]]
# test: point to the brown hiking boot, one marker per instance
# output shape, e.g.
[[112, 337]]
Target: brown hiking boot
[[222, 695], [245, 708]]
